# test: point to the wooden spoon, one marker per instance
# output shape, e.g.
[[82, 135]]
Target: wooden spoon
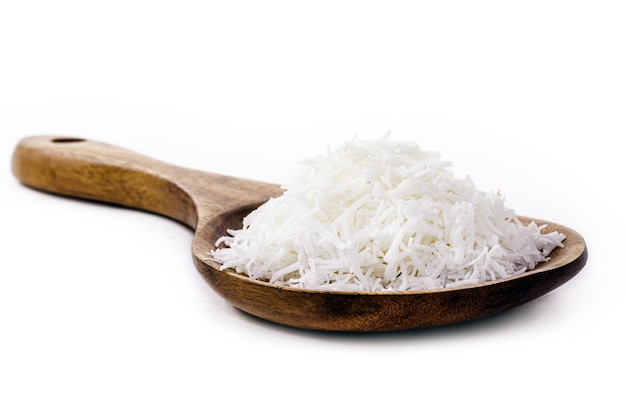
[[211, 203]]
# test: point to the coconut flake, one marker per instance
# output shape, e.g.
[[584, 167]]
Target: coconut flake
[[383, 216]]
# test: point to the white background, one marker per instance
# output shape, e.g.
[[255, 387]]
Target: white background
[[101, 309]]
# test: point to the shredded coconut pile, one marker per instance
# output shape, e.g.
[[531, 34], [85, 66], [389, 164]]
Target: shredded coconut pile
[[382, 216]]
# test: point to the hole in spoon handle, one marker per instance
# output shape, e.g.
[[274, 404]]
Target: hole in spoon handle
[[67, 140]]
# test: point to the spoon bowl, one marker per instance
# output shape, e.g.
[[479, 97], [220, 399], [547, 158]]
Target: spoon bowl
[[211, 204]]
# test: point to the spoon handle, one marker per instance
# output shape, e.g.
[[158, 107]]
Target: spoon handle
[[93, 170]]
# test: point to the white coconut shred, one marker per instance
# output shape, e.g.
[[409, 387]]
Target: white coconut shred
[[383, 216]]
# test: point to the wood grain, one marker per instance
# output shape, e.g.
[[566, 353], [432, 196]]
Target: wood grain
[[211, 203]]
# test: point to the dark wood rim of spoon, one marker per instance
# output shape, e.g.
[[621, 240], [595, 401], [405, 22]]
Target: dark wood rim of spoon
[[211, 203]]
